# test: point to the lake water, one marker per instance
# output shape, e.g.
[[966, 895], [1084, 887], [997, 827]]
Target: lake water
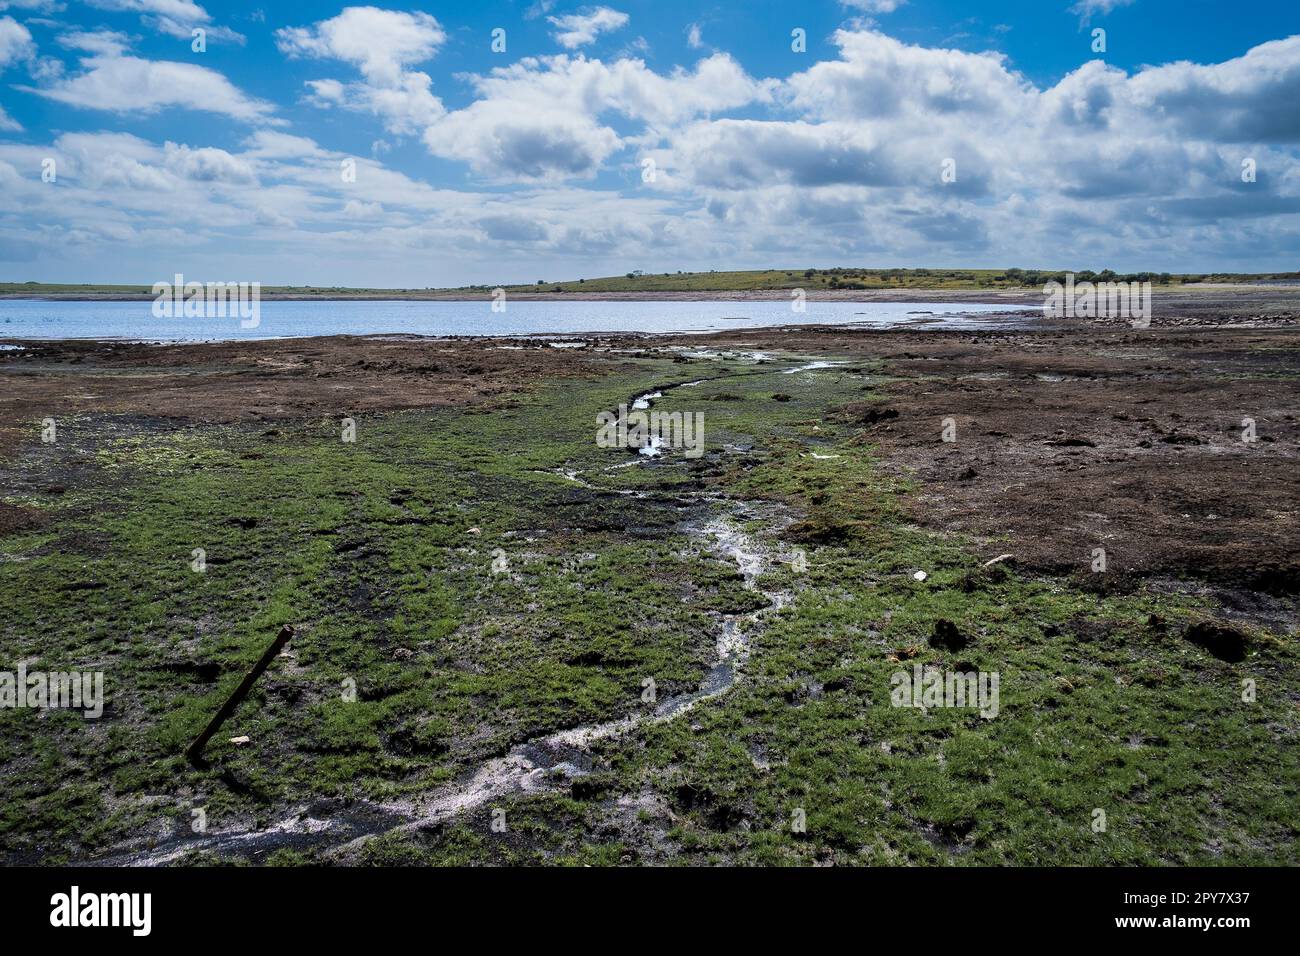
[[41, 319]]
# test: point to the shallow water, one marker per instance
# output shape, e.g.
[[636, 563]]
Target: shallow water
[[42, 319]]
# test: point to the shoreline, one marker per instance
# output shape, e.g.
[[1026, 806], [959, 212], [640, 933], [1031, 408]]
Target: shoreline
[[909, 294], [1217, 307]]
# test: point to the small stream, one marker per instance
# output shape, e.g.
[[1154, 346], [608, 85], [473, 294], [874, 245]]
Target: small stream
[[549, 763], [545, 763]]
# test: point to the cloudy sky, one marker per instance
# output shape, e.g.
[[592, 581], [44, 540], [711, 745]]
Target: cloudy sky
[[314, 143]]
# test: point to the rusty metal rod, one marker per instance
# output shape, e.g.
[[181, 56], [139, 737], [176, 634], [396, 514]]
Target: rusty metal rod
[[195, 750]]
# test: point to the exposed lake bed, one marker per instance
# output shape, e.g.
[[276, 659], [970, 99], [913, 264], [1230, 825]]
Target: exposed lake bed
[[500, 587]]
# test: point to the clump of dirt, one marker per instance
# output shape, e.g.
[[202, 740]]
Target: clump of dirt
[[862, 413], [1221, 641], [14, 519], [946, 636], [818, 528]]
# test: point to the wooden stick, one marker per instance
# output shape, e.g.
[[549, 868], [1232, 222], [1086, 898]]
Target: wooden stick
[[195, 750]]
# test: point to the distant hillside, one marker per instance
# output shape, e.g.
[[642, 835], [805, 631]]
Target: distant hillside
[[851, 278], [763, 279]]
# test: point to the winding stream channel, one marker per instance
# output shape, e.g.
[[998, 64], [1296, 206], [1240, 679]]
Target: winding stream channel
[[546, 763]]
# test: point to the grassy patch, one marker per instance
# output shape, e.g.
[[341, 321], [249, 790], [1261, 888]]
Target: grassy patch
[[456, 595]]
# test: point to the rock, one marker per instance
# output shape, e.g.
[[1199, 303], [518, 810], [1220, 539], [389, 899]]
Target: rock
[[946, 636], [919, 576], [999, 559], [241, 741], [1224, 642]]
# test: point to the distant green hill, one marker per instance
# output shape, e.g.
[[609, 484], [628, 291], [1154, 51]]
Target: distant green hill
[[763, 279], [852, 278]]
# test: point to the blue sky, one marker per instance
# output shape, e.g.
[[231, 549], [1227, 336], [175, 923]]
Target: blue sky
[[642, 135]]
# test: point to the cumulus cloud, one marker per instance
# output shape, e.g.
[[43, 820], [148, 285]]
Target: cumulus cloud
[[207, 164], [1251, 98], [497, 139], [878, 76], [839, 160], [578, 29], [540, 118], [874, 128], [381, 44]]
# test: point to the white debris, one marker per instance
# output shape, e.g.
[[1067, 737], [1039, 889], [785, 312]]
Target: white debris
[[919, 576]]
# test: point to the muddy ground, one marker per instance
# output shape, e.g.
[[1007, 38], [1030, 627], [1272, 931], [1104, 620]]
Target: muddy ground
[[1068, 435], [483, 686]]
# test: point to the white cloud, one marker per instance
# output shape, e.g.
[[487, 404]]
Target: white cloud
[[539, 119], [8, 123], [207, 164], [355, 209], [380, 43], [176, 18], [884, 6], [270, 144], [406, 107], [878, 76], [578, 29], [36, 6], [16, 44], [839, 161], [694, 37], [1086, 9], [179, 9], [129, 84], [102, 42], [1252, 97], [499, 140]]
